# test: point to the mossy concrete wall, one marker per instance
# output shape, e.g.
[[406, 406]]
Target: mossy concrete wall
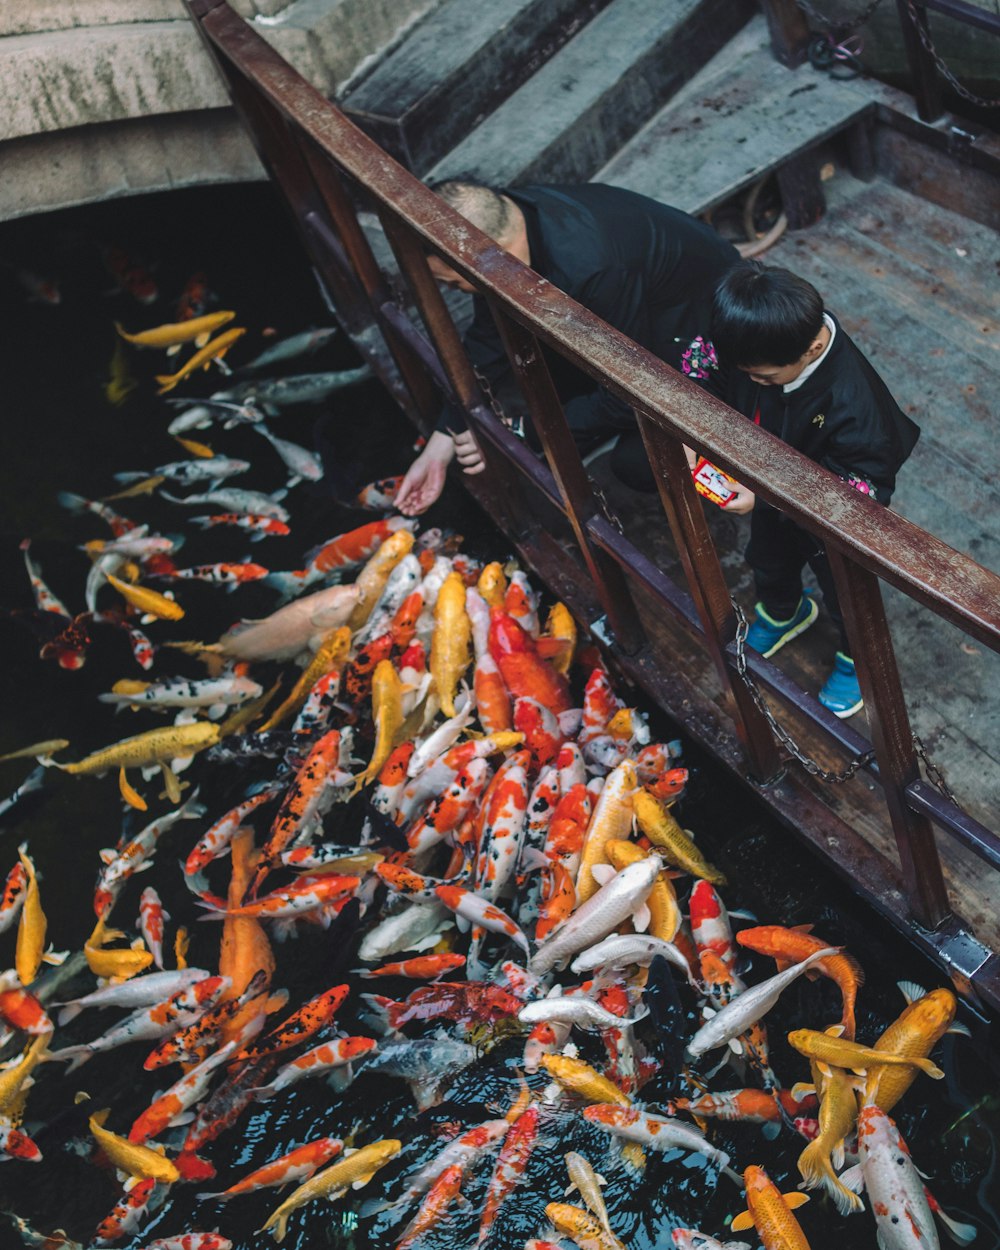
[[101, 98]]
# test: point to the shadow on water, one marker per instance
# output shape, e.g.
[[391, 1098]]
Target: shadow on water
[[60, 433]]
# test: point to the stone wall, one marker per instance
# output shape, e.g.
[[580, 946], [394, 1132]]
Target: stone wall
[[102, 98]]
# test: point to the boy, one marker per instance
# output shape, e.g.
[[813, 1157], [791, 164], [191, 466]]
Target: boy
[[788, 365]]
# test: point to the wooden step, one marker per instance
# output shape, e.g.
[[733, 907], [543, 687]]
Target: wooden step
[[565, 122], [741, 117], [455, 68]]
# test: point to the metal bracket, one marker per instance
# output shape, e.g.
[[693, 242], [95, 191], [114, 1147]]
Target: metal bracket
[[961, 954]]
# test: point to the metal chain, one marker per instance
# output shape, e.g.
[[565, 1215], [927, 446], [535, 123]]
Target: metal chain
[[942, 68], [606, 508], [783, 736], [843, 26], [934, 773], [492, 400]]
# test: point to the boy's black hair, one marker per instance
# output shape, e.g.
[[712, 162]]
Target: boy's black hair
[[763, 316]]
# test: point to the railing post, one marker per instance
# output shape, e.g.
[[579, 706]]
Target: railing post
[[923, 71], [789, 30], [871, 642], [529, 365], [707, 584]]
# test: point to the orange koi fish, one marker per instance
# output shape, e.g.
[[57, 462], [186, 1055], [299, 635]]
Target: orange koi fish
[[464, 1002], [443, 1192], [21, 1010], [305, 895], [245, 950], [521, 603], [420, 968], [751, 1106], [600, 703], [492, 697], [128, 1212], [392, 779], [770, 1212], [511, 1162], [318, 1062], [298, 1165], [525, 673], [790, 946], [540, 727], [174, 1102], [312, 1016]]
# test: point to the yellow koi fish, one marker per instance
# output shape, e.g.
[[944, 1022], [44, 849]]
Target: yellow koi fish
[[148, 601], [330, 655], [387, 715], [770, 1212], [12, 1080], [31, 928], [145, 487], [837, 1052], [664, 911], [450, 643], [201, 450], [201, 359], [120, 383], [922, 1024], [198, 331], [131, 796], [580, 1226], [561, 626], [373, 577], [155, 746], [583, 1080], [48, 747], [333, 1182], [663, 831], [838, 1111], [492, 584], [612, 818], [137, 1160], [117, 965]]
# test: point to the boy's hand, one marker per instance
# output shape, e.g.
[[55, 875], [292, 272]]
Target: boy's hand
[[468, 453], [742, 502]]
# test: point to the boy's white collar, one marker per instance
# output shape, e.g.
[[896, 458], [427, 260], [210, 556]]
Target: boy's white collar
[[811, 368]]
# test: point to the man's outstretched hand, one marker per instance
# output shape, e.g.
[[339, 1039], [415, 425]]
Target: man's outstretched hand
[[424, 480]]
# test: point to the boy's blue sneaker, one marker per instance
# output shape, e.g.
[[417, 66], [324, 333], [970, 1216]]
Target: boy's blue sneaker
[[841, 692], [767, 635]]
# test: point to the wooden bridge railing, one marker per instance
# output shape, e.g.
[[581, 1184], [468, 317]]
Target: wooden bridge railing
[[322, 163]]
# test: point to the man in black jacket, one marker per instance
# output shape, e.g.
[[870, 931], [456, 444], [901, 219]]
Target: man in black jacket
[[647, 269], [787, 364]]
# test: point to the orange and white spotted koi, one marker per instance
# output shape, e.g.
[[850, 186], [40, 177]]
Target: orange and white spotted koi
[[568, 829], [600, 703], [122, 864], [308, 894], [504, 809], [656, 1132], [193, 1042], [151, 918], [231, 575], [558, 899], [320, 1061], [14, 890], [127, 1214], [20, 1009], [521, 602], [420, 968], [298, 1165], [462, 902], [450, 808], [45, 600], [258, 526], [216, 841], [443, 1192], [392, 780], [308, 1019], [751, 1106]]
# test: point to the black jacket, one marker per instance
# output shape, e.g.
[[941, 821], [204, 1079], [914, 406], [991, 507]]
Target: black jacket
[[647, 269], [842, 416]]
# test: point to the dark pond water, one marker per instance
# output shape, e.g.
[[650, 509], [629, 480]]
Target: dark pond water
[[59, 432]]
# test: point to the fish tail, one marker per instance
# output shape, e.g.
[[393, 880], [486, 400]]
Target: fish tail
[[817, 1173], [203, 522], [74, 503], [287, 584], [69, 1012], [167, 382]]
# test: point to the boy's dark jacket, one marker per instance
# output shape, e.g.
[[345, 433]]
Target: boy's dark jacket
[[842, 416]]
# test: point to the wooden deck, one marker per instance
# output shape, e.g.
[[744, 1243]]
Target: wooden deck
[[917, 287]]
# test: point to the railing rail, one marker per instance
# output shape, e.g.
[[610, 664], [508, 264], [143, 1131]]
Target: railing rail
[[321, 161]]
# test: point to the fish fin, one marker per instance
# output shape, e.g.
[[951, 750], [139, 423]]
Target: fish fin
[[602, 873], [837, 1155], [771, 1130], [641, 918], [797, 928], [742, 1222], [853, 1179], [201, 340], [55, 958], [801, 1090], [961, 1234], [835, 1030], [107, 855], [957, 1027], [174, 348], [911, 991], [795, 1199], [824, 1069], [568, 1190], [735, 1045]]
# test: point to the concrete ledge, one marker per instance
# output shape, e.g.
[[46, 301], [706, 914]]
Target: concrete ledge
[[95, 163]]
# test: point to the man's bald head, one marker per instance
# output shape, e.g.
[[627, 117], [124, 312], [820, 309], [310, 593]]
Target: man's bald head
[[486, 208]]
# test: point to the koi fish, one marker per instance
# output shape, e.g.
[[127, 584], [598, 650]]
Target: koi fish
[[580, 1226], [193, 1042], [287, 632], [215, 693], [216, 841], [191, 1241], [320, 1061], [656, 822], [233, 499], [141, 992], [194, 298], [461, 1001], [790, 945], [298, 1165], [231, 575], [710, 926], [136, 856], [656, 1132], [584, 1081], [300, 1025], [30, 949], [334, 1181], [378, 496], [770, 1212], [427, 1065], [443, 1192], [45, 600], [196, 330], [840, 1053], [450, 644], [612, 818], [302, 465], [576, 1010], [14, 1144], [151, 918], [838, 1112], [420, 968], [130, 275], [510, 1165], [692, 1239], [925, 1020], [748, 1106], [14, 891], [465, 1150], [137, 1160], [149, 602], [525, 673], [661, 902], [737, 1016], [603, 912], [215, 350], [120, 964], [127, 1213], [257, 526], [307, 895], [22, 1010], [303, 343]]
